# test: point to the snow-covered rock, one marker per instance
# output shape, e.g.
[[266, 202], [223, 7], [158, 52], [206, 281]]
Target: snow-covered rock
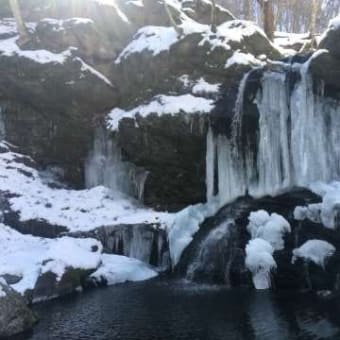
[[316, 251], [269, 227], [162, 105], [118, 269], [15, 317]]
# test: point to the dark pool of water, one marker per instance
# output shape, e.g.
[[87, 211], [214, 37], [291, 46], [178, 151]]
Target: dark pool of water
[[160, 310]]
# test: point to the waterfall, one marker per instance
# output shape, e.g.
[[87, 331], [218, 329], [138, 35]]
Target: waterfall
[[104, 166], [214, 257], [297, 141]]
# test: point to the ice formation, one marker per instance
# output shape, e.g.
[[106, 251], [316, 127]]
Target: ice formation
[[260, 262], [270, 228], [286, 153], [316, 251]]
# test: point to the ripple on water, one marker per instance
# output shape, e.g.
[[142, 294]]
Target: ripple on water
[[178, 310]]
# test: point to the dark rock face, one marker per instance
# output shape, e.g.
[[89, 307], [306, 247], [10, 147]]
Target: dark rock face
[[172, 150], [15, 317], [226, 250], [49, 286], [50, 112], [144, 242], [331, 41]]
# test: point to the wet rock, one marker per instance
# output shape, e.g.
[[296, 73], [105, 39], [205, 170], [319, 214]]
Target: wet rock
[[15, 317]]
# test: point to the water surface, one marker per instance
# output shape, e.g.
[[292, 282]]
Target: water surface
[[163, 310]]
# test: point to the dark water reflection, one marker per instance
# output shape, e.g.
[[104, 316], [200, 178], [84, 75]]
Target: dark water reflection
[[159, 310]]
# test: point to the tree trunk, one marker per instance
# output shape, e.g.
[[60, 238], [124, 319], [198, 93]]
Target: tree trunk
[[171, 18], [268, 18], [247, 9], [24, 37], [213, 16], [314, 16]]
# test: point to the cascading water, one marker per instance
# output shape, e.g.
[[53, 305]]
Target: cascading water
[[104, 166], [296, 144], [2, 126]]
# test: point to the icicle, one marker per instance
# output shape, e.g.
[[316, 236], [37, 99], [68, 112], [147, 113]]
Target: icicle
[[298, 141]]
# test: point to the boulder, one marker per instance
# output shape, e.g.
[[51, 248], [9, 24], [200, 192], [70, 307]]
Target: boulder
[[331, 38], [15, 316]]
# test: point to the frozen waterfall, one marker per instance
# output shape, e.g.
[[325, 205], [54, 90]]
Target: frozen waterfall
[[297, 141], [104, 166]]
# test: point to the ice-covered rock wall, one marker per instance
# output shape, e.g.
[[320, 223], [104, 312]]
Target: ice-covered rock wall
[[104, 166], [295, 144]]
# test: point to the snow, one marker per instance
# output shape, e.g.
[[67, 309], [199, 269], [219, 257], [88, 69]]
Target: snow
[[185, 224], [87, 68], [311, 212], [9, 48], [316, 251], [270, 228], [334, 23], [154, 39], [160, 105], [59, 24], [157, 39], [203, 87], [28, 257], [260, 262], [240, 58], [77, 210], [118, 269]]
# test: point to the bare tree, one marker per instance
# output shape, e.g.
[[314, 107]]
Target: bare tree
[[213, 16], [268, 17], [247, 9], [316, 6], [15, 7], [171, 18]]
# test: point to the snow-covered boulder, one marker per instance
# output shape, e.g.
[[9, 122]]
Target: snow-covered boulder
[[331, 38], [316, 251], [269, 227], [15, 317]]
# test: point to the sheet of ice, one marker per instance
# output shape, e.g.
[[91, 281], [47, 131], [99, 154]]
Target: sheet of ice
[[260, 262], [28, 257], [185, 224], [162, 104], [240, 58], [75, 209], [316, 251], [118, 269], [269, 227]]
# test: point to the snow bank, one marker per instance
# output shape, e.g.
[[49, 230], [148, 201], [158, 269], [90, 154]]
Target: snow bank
[[185, 224], [2, 292], [28, 257], [117, 269], [77, 210], [260, 262], [9, 48], [270, 228], [160, 105], [316, 251], [240, 58]]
